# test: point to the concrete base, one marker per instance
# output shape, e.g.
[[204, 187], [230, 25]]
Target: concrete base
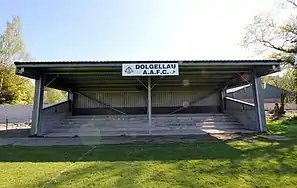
[[86, 141]]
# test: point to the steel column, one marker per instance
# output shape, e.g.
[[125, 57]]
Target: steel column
[[259, 103], [149, 104], [71, 99], [222, 100], [37, 106]]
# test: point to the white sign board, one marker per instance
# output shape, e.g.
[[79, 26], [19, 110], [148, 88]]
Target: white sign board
[[150, 69]]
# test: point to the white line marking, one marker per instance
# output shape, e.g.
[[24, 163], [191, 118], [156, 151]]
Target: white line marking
[[66, 168]]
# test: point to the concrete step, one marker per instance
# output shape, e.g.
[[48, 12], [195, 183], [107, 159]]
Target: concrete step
[[91, 129], [221, 126], [145, 118], [141, 117], [124, 133], [154, 115], [104, 121], [145, 121], [112, 124], [91, 124], [180, 124], [100, 125], [146, 133], [217, 123], [86, 134], [227, 131]]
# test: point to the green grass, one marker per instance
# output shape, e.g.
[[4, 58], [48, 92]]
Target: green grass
[[286, 126], [207, 164]]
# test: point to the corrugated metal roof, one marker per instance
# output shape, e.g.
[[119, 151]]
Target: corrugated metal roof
[[149, 61]]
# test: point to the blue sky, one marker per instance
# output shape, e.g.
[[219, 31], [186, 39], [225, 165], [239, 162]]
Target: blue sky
[[133, 29]]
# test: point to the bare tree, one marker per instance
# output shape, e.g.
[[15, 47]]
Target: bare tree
[[275, 32], [268, 32]]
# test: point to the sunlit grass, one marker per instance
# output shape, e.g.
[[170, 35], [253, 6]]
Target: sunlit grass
[[252, 163], [244, 145], [282, 126]]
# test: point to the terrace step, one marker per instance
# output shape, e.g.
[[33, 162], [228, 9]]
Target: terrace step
[[143, 124], [181, 124], [146, 133], [93, 128], [145, 116]]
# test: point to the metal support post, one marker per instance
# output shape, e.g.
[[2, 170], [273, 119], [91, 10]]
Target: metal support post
[[71, 99], [259, 103], [222, 99], [149, 104], [37, 106], [6, 124]]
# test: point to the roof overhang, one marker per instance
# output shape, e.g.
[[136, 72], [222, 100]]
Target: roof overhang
[[108, 74]]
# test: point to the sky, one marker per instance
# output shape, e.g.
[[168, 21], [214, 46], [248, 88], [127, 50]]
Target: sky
[[134, 29]]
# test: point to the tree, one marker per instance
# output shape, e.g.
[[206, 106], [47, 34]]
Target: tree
[[53, 96], [21, 90], [276, 34], [13, 89], [286, 83]]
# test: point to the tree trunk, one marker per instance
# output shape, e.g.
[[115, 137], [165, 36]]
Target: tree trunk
[[295, 83], [1, 83], [2, 77], [282, 103]]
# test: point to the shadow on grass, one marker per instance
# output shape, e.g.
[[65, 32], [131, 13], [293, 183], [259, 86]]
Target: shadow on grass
[[122, 152], [145, 152], [191, 165], [206, 164], [156, 152], [115, 174]]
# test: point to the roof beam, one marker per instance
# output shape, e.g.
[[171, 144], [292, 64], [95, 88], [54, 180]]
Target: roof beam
[[167, 88], [28, 72], [111, 77], [119, 63], [210, 80], [68, 65], [133, 89], [100, 73]]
